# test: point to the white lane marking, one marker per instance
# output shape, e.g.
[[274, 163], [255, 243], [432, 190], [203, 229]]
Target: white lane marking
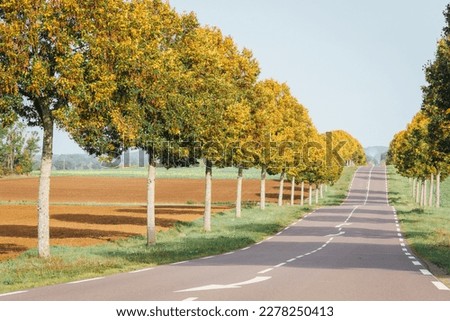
[[177, 263], [404, 250], [265, 271], [398, 230], [397, 225], [401, 240], [402, 244], [269, 238], [341, 233], [279, 233], [142, 270], [368, 185], [84, 281], [291, 260], [416, 263], [412, 257], [300, 256], [227, 286], [228, 253], [245, 248], [190, 299], [206, 257], [12, 293], [343, 224], [425, 272], [399, 234], [280, 265], [440, 286], [407, 253]]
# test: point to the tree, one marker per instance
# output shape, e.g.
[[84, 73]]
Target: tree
[[53, 58]]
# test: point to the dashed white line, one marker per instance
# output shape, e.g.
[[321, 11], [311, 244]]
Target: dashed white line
[[177, 263], [425, 272], [399, 234], [280, 265], [228, 253], [207, 257], [416, 263], [402, 244], [265, 271], [412, 257], [291, 260], [245, 248], [190, 299], [441, 286]]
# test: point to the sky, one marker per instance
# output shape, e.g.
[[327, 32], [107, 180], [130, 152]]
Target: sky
[[356, 65]]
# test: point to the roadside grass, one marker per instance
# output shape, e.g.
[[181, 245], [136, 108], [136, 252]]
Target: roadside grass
[[185, 241], [427, 230]]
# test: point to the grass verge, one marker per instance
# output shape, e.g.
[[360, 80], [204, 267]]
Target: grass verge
[[427, 230], [185, 241]]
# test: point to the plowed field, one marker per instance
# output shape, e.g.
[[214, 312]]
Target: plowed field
[[91, 210]]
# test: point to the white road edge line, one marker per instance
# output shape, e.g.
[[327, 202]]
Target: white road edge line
[[13, 293], [425, 272], [142, 270], [84, 281], [440, 286], [190, 299], [416, 263]]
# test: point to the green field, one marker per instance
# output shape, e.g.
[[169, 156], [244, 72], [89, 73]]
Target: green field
[[427, 230], [183, 242], [161, 172]]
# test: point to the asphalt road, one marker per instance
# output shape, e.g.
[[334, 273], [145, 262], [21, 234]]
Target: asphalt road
[[350, 252]]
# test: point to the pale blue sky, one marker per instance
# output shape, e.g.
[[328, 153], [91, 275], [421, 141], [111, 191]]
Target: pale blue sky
[[355, 64]]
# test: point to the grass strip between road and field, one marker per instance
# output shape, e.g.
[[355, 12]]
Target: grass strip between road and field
[[185, 241], [427, 229]]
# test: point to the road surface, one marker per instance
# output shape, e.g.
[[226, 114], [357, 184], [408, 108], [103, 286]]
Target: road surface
[[355, 251]]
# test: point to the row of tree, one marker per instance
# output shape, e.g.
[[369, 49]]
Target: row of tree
[[422, 151], [118, 74], [17, 149]]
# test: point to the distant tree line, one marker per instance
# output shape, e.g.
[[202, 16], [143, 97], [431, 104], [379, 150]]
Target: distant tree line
[[17, 149]]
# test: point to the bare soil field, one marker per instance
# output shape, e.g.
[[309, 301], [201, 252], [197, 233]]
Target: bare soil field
[[92, 210]]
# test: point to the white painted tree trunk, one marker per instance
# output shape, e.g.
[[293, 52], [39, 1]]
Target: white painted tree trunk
[[430, 198], [417, 191], [317, 194], [425, 194], [208, 197], [239, 191], [44, 189], [302, 194], [262, 203], [281, 190], [438, 189], [292, 190], [310, 194], [414, 188], [321, 191], [151, 187]]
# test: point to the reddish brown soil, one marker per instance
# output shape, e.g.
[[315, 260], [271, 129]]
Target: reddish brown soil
[[120, 212]]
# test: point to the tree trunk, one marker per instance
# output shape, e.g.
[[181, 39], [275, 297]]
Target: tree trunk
[[310, 194], [151, 185], [208, 185], [417, 191], [281, 191], [317, 194], [430, 198], [292, 190], [321, 191], [438, 189], [44, 187], [262, 203], [302, 193], [414, 188], [239, 191], [425, 194]]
